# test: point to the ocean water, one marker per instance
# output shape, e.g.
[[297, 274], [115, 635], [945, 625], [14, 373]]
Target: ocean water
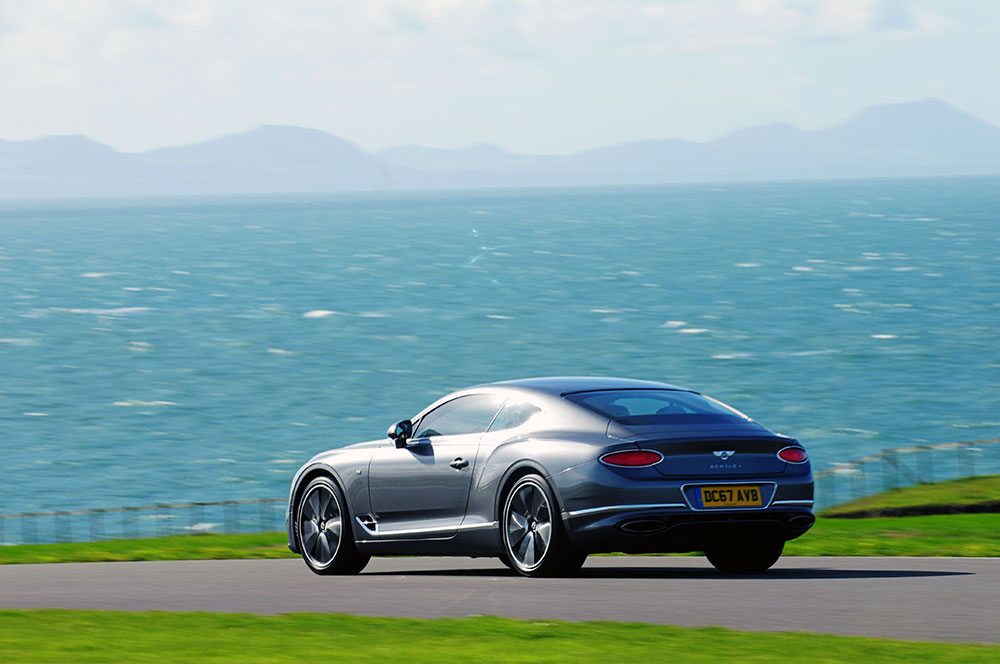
[[202, 349]]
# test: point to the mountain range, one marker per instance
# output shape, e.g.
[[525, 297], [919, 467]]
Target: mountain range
[[920, 138]]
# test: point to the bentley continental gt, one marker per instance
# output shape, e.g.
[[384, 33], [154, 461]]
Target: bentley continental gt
[[541, 472]]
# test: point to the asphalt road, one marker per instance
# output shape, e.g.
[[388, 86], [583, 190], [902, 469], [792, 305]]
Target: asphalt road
[[937, 599]]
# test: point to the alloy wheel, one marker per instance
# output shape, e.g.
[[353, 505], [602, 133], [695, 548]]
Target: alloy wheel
[[528, 525], [320, 526]]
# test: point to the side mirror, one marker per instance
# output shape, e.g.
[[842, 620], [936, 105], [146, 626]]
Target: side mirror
[[400, 432]]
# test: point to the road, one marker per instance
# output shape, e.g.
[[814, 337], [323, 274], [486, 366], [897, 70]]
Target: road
[[938, 599]]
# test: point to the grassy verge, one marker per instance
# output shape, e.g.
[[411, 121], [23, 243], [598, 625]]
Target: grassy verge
[[937, 535], [940, 535], [96, 636], [966, 491], [178, 547]]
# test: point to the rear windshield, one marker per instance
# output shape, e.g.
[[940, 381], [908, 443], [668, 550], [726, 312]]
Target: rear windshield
[[642, 407]]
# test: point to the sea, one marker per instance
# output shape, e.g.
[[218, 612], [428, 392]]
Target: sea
[[199, 349]]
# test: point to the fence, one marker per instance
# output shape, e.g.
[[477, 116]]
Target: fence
[[904, 466], [842, 482], [229, 516]]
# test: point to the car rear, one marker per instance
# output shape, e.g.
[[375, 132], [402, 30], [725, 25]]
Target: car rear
[[683, 472]]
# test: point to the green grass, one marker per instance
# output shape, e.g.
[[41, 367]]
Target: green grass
[[96, 636], [936, 535], [178, 547], [966, 491]]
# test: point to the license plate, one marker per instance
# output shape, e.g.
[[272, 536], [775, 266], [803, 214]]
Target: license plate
[[737, 495]]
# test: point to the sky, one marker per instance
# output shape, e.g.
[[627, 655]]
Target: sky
[[539, 77]]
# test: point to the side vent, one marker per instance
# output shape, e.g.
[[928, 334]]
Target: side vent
[[368, 522]]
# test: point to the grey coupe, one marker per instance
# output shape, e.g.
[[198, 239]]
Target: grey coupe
[[541, 472]]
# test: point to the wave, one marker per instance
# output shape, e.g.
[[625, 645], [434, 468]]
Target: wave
[[138, 402], [103, 312]]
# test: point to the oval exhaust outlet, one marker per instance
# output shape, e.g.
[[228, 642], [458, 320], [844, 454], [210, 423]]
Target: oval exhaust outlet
[[802, 522], [642, 526]]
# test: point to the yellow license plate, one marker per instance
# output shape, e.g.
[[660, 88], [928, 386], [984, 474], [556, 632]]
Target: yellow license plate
[[737, 495]]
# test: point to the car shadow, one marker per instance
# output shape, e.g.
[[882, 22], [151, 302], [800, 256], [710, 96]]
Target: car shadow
[[688, 573], [815, 573]]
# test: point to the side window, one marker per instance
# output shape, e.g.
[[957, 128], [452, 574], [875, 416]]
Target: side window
[[471, 414], [514, 414]]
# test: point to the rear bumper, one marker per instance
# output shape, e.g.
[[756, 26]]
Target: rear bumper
[[604, 510], [651, 529]]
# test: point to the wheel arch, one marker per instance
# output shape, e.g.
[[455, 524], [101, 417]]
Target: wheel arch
[[307, 476], [515, 472]]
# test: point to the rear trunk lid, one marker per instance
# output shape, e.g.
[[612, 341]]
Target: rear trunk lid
[[723, 456]]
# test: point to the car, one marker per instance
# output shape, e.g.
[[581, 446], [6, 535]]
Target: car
[[542, 472]]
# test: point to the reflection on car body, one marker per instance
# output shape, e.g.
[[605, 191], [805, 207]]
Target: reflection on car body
[[541, 472]]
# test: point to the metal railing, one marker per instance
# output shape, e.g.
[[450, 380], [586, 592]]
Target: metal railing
[[905, 466], [89, 525], [840, 483]]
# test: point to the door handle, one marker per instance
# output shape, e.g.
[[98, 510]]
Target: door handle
[[459, 463]]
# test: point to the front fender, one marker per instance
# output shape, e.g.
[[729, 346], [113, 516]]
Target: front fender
[[349, 469], [305, 474]]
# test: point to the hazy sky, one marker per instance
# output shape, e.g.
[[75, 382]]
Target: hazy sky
[[541, 77]]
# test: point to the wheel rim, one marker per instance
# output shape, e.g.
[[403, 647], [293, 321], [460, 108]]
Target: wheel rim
[[528, 525], [320, 526]]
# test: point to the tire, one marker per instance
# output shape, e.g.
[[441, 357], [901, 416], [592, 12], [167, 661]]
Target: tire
[[323, 528], [745, 557], [534, 542]]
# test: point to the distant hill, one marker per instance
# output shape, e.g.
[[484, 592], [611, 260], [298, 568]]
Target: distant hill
[[921, 138], [269, 159]]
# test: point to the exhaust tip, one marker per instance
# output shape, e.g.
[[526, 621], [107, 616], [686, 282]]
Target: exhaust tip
[[801, 522], [642, 526]]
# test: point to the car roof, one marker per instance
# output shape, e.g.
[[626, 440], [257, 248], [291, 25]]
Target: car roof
[[560, 385]]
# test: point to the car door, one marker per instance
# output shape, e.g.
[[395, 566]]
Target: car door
[[422, 490]]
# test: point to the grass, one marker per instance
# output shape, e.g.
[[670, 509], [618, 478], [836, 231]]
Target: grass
[[105, 636], [966, 491], [177, 547], [936, 535]]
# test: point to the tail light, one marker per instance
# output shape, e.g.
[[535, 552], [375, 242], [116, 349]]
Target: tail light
[[793, 455], [632, 458]]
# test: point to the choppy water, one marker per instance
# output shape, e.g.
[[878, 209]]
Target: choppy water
[[201, 349]]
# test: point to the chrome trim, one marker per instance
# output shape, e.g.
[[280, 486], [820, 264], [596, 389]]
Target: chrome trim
[[475, 526], [624, 508], [616, 465], [367, 529], [790, 447], [404, 539], [419, 531], [791, 502], [724, 509]]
